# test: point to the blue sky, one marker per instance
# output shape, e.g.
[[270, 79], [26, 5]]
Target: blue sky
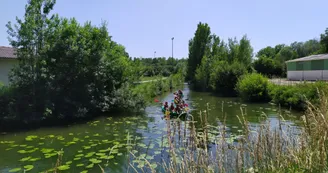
[[145, 26]]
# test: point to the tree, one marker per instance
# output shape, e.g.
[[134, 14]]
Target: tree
[[267, 52], [197, 48], [66, 70], [324, 41]]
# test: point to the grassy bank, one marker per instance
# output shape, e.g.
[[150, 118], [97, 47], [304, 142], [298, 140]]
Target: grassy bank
[[158, 86], [257, 88]]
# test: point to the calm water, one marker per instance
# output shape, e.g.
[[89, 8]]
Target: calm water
[[109, 141]]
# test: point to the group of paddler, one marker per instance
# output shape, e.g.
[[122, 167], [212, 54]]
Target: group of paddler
[[178, 106]]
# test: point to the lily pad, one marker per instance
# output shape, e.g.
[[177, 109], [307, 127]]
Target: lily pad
[[77, 158], [90, 154], [28, 167], [95, 161], [15, 170], [35, 159], [48, 155], [90, 166], [100, 154], [25, 159], [84, 172], [79, 155], [80, 165], [30, 138], [22, 151], [63, 167], [46, 150], [69, 162]]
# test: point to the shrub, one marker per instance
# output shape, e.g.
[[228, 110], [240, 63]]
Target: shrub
[[253, 87], [224, 77], [297, 95]]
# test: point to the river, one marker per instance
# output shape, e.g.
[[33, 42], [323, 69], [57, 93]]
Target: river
[[84, 146]]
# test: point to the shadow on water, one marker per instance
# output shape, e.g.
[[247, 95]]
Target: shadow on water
[[144, 135]]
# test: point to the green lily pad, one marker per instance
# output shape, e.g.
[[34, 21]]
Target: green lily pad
[[86, 147], [28, 167], [119, 154], [46, 150], [80, 151], [30, 138], [90, 154], [35, 159], [22, 151], [100, 154], [51, 136], [95, 161], [77, 158], [69, 162], [48, 155], [84, 172], [79, 155], [25, 159], [15, 170], [90, 166], [71, 134], [41, 143], [63, 167], [80, 165]]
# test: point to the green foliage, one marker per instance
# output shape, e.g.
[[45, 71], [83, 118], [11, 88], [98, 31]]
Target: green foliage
[[197, 48], [216, 65], [157, 66], [158, 86], [324, 41], [297, 95], [224, 77], [267, 66], [66, 70], [253, 87]]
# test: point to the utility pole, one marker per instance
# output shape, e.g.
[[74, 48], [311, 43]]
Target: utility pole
[[172, 46]]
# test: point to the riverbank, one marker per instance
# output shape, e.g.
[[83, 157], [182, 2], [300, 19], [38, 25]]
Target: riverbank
[[257, 88]]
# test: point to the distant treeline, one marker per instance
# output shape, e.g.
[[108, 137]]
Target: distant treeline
[[159, 66]]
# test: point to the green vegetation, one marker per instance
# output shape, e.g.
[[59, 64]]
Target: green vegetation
[[149, 67], [158, 86], [216, 65], [224, 68], [68, 71], [271, 60], [253, 87], [296, 96]]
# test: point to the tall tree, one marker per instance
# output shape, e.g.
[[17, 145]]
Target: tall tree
[[324, 41], [197, 48], [267, 52]]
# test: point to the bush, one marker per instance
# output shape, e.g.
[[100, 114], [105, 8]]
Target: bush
[[297, 95], [224, 77], [268, 67], [253, 87]]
